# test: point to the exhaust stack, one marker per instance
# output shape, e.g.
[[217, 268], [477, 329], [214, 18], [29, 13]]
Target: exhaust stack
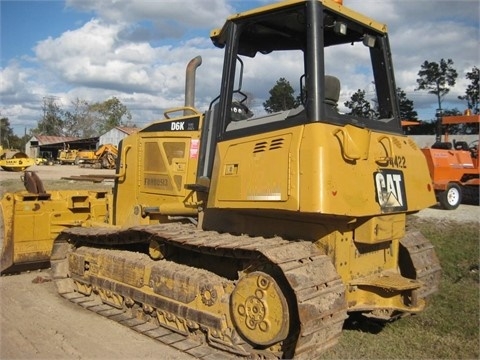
[[190, 82]]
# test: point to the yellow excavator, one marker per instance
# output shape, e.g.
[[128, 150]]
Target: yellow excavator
[[235, 232], [104, 157]]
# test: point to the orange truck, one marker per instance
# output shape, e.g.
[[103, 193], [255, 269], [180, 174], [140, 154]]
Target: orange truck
[[454, 166]]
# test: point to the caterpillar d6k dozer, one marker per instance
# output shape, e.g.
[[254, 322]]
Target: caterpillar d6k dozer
[[253, 234]]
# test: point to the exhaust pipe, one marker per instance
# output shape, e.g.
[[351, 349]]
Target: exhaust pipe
[[190, 82]]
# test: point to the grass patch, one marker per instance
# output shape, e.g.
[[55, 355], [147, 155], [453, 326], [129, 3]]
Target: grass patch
[[449, 327]]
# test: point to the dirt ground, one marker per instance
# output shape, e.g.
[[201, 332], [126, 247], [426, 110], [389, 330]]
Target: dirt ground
[[55, 172], [38, 324]]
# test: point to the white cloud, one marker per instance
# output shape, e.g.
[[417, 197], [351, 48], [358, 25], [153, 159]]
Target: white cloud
[[138, 50], [165, 14], [429, 30], [92, 56], [20, 96]]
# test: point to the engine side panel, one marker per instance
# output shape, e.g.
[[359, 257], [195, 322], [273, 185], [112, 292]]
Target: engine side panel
[[156, 165], [319, 168]]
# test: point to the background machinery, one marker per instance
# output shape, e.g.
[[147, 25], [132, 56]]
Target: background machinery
[[254, 234], [45, 158], [14, 160], [104, 157], [454, 166], [67, 156]]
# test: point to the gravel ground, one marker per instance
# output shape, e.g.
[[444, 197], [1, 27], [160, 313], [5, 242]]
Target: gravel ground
[[464, 213]]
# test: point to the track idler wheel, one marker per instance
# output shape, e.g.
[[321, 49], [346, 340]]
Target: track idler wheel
[[260, 310]]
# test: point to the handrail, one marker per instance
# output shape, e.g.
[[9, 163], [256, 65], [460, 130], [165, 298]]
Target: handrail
[[354, 141], [123, 168], [390, 144], [182, 108]]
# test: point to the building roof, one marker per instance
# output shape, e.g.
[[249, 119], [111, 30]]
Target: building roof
[[54, 143], [127, 130], [47, 139]]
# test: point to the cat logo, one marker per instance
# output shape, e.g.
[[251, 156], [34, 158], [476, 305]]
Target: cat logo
[[390, 190]]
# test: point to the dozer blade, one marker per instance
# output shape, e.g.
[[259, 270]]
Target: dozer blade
[[31, 222]]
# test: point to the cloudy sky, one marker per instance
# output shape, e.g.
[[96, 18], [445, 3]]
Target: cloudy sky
[[137, 50]]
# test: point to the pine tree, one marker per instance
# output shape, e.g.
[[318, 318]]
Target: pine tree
[[281, 97]]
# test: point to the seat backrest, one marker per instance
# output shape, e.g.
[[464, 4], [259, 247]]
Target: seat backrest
[[442, 145], [332, 90]]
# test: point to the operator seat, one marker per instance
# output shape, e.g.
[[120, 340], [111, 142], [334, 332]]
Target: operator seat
[[332, 91], [442, 145], [332, 94]]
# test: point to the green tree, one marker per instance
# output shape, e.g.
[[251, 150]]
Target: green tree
[[79, 122], [472, 91], [281, 97], [437, 78], [19, 142], [407, 111], [359, 105], [110, 113], [6, 133], [52, 121], [8, 139]]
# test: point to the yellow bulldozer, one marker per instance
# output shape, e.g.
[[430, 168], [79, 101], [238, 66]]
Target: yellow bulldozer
[[67, 156], [104, 157], [247, 233]]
